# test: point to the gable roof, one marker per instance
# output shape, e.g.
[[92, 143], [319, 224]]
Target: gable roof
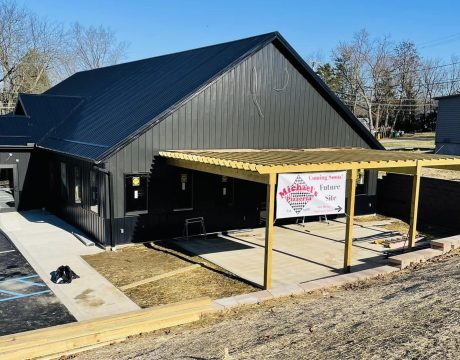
[[112, 105], [34, 116]]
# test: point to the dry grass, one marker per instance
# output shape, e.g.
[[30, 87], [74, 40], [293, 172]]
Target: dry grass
[[419, 140], [138, 262], [133, 263], [399, 226], [412, 314], [372, 218], [193, 284]]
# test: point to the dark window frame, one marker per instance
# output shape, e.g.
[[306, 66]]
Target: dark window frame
[[190, 182], [77, 169], [98, 193], [136, 212], [64, 181], [362, 189]]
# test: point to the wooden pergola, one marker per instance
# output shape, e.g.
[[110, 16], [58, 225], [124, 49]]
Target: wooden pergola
[[263, 166]]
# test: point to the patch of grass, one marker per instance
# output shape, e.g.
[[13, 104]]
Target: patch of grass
[[138, 262], [418, 140], [187, 286]]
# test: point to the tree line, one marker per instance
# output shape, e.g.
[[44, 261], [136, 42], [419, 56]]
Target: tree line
[[36, 53], [389, 84]]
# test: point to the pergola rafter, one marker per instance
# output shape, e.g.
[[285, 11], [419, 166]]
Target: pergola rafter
[[263, 166]]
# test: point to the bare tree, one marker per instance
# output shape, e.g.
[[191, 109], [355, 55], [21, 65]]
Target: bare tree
[[29, 49], [14, 45], [90, 48]]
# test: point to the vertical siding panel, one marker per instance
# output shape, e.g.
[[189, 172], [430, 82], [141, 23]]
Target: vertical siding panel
[[220, 100], [201, 123], [149, 149], [228, 116], [142, 160], [189, 125], [240, 81], [195, 121], [237, 105], [182, 129], [211, 143]]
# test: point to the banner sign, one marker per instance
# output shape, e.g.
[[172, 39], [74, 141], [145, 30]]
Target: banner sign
[[310, 194]]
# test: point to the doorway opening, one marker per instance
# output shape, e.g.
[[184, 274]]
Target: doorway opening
[[7, 189]]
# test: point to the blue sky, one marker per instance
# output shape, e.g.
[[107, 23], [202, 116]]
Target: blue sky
[[312, 27]]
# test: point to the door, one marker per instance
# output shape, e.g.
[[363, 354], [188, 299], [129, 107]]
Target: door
[[8, 188]]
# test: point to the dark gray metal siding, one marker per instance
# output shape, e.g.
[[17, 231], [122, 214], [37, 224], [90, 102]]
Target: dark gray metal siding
[[448, 126], [80, 215], [224, 115]]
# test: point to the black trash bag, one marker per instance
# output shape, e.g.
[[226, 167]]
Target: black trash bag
[[64, 275]]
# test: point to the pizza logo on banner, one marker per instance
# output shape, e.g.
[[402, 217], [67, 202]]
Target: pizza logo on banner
[[298, 195]]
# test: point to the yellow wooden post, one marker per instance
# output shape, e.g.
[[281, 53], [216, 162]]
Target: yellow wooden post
[[414, 206], [269, 231], [351, 192]]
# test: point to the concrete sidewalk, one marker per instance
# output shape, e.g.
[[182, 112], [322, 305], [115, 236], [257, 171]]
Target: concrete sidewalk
[[47, 242]]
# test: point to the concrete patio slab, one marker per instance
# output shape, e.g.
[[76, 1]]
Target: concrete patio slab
[[301, 253], [47, 242]]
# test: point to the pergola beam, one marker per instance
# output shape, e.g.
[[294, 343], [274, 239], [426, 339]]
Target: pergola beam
[[414, 206], [269, 231], [351, 194], [403, 170], [247, 175], [444, 167]]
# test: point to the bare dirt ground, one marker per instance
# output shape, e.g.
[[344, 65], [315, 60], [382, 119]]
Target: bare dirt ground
[[138, 262], [413, 314]]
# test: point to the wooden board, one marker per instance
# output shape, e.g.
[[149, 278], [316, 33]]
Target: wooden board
[[159, 277], [70, 337]]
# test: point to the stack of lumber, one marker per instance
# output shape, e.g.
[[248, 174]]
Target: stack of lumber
[[74, 337]]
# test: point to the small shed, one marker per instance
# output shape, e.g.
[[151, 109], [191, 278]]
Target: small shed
[[448, 125]]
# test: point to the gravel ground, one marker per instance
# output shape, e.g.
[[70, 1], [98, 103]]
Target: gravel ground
[[414, 314]]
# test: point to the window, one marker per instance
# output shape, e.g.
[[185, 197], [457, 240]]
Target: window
[[64, 186], [183, 191], [136, 194], [77, 185], [361, 182], [94, 191], [225, 195]]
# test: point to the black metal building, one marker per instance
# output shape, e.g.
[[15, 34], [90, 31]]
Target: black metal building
[[87, 149]]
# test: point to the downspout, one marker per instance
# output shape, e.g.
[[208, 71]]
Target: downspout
[[113, 245]]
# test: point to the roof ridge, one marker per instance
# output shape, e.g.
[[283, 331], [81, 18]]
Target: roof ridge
[[271, 34], [51, 95]]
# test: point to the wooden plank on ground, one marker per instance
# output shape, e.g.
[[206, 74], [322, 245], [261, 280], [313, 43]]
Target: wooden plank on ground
[[106, 320], [70, 337], [159, 277]]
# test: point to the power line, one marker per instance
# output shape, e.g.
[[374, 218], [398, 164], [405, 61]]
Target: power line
[[349, 102], [439, 41]]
